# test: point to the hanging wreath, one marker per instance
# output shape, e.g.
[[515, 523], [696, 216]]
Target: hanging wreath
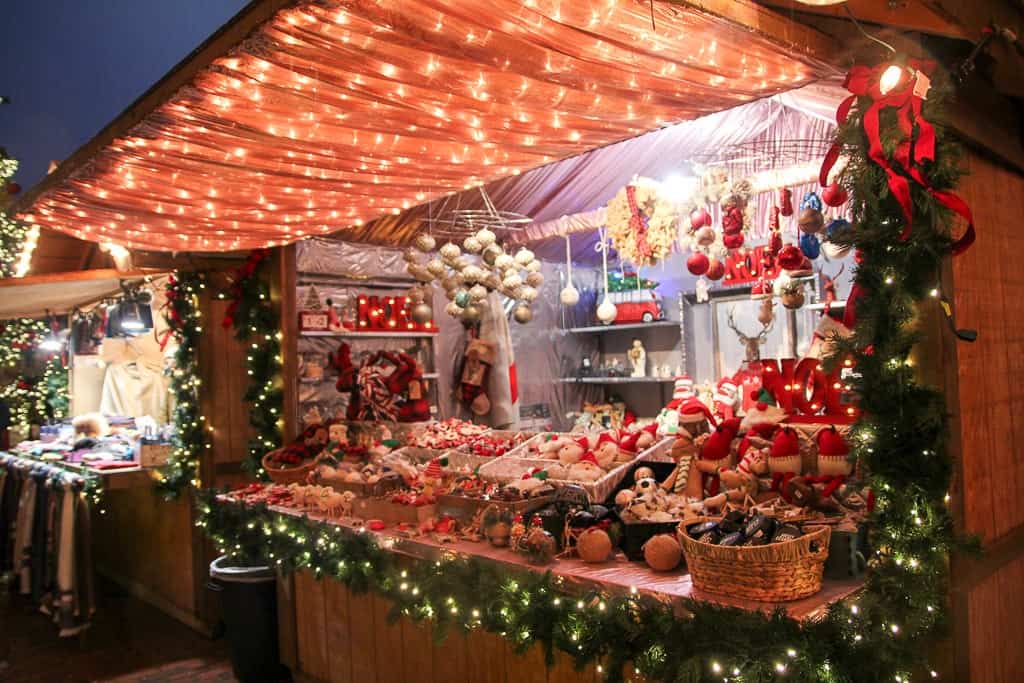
[[642, 225]]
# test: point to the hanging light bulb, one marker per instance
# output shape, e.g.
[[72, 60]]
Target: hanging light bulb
[[891, 78]]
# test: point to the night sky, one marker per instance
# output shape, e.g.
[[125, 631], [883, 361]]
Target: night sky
[[71, 66]]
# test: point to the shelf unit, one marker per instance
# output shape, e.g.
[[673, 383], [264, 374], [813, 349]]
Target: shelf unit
[[615, 328], [375, 333], [616, 380]]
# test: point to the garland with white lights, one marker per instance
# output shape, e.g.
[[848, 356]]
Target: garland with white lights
[[184, 322], [255, 321], [879, 635]]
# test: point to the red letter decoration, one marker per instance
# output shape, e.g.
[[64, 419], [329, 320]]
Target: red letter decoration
[[805, 392]]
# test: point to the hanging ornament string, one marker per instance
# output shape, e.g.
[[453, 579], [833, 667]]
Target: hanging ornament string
[[568, 260], [906, 97], [638, 224]]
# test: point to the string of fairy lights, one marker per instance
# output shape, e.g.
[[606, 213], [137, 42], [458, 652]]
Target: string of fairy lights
[[900, 438], [184, 320]]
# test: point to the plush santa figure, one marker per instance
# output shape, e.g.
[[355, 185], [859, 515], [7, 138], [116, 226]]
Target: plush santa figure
[[726, 393]]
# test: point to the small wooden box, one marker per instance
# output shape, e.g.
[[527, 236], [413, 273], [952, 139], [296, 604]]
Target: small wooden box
[[154, 454], [314, 321], [393, 513]]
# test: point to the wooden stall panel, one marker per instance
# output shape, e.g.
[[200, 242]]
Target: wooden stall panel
[[994, 611], [145, 543], [418, 651], [337, 615], [311, 626], [989, 297]]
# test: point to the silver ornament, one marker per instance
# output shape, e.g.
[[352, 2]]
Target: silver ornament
[[523, 256], [471, 314], [522, 314], [477, 293], [486, 237], [449, 252], [504, 261], [491, 253], [425, 243], [435, 267], [422, 313]]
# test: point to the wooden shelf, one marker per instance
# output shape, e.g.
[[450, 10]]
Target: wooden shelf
[[373, 334], [628, 326], [616, 380]]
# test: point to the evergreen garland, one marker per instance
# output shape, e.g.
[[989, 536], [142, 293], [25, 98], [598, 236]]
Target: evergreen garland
[[183, 319], [881, 634], [255, 321]]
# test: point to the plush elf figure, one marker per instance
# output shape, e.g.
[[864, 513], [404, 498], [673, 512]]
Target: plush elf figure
[[476, 367]]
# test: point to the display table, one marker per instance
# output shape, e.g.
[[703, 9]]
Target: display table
[[329, 632]]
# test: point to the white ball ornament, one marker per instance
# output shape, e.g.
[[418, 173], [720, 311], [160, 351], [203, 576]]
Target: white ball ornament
[[569, 296], [504, 261], [528, 294], [492, 280], [533, 266], [473, 273], [472, 245], [524, 256], [606, 312], [490, 253], [425, 243], [416, 295], [450, 294], [486, 237], [782, 281], [511, 282], [453, 309], [477, 292], [534, 279], [705, 236], [409, 255], [435, 267], [522, 314], [449, 252]]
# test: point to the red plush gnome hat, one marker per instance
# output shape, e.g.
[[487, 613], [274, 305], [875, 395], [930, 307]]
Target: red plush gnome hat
[[717, 445], [786, 443], [606, 437], [628, 441], [831, 442]]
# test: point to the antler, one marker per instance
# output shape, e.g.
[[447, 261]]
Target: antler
[[732, 326]]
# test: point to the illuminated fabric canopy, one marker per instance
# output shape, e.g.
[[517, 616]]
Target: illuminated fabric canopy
[[332, 114]]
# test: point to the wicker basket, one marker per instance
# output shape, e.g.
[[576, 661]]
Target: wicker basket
[[777, 572], [290, 475]]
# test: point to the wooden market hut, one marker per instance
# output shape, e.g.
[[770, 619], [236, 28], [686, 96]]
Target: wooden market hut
[[320, 637]]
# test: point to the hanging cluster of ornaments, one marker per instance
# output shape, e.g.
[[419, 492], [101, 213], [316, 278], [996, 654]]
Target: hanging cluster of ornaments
[[468, 274], [711, 246]]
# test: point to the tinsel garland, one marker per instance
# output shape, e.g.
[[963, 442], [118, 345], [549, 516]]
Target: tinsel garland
[[880, 634], [255, 321], [184, 322]]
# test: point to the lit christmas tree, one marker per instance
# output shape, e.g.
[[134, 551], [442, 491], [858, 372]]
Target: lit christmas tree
[[17, 240]]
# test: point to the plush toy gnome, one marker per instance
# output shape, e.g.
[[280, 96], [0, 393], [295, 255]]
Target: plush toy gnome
[[784, 459], [763, 417], [833, 453], [726, 393], [715, 454]]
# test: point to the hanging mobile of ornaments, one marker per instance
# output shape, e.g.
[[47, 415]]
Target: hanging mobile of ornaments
[[607, 311], [732, 197], [468, 274], [569, 295]]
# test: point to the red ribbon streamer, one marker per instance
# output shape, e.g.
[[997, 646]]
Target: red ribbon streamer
[[863, 82], [637, 224]]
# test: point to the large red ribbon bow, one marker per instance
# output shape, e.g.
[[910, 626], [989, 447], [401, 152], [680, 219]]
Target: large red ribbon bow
[[864, 82]]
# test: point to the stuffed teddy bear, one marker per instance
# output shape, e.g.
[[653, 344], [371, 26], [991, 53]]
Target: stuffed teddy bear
[[571, 451]]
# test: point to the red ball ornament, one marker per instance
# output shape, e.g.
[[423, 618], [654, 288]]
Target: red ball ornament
[[13, 188], [858, 257], [699, 218], [698, 263], [835, 195], [716, 269], [733, 241], [790, 258]]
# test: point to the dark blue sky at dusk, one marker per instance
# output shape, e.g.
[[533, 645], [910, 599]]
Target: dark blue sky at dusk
[[71, 66]]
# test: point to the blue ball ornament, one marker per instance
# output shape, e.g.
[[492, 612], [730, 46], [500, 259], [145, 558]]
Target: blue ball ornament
[[811, 201], [836, 225], [810, 246]]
